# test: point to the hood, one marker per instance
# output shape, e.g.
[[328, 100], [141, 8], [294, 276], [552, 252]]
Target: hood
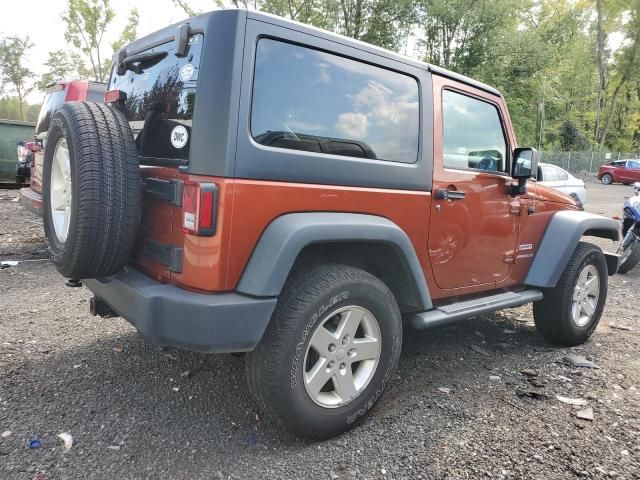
[[548, 194]]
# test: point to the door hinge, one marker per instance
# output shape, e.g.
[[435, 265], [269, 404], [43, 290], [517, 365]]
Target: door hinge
[[168, 255], [170, 190], [509, 257], [515, 208]]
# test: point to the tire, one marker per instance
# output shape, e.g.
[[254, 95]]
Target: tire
[[276, 370], [102, 210], [630, 257], [553, 314], [607, 179]]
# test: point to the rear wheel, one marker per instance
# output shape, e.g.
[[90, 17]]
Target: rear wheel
[[629, 254], [91, 190], [332, 346], [607, 179], [569, 313]]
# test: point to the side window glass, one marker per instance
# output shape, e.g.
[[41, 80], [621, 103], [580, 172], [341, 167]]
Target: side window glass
[[633, 164], [549, 173], [305, 99], [473, 135], [562, 174]]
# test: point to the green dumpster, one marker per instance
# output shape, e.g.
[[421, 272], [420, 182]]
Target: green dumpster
[[12, 132]]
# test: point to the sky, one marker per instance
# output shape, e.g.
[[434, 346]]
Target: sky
[[41, 20]]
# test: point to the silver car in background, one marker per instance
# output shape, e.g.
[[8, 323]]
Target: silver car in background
[[559, 179]]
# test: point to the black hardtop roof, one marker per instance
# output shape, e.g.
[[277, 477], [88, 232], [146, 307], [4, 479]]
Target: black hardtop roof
[[201, 23]]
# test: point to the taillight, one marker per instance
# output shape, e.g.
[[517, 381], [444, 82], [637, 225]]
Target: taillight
[[22, 153], [112, 96], [199, 207]]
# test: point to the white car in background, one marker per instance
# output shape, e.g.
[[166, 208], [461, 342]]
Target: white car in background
[[559, 179]]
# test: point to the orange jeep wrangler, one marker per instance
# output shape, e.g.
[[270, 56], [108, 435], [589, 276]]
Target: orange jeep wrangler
[[257, 185]]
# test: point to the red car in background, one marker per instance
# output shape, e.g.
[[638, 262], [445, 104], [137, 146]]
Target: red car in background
[[30, 164], [621, 171]]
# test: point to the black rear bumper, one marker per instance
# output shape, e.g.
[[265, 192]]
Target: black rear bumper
[[170, 316], [32, 200]]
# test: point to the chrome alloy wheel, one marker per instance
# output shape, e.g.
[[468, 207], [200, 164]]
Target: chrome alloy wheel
[[342, 356], [585, 296], [61, 190]]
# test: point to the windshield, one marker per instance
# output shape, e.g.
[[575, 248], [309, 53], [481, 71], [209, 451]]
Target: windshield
[[160, 95]]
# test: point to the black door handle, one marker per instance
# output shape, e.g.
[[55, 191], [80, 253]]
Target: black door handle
[[444, 194]]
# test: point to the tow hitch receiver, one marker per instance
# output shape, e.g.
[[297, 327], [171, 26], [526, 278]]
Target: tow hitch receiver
[[98, 307]]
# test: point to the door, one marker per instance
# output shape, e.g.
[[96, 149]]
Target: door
[[632, 171], [473, 228]]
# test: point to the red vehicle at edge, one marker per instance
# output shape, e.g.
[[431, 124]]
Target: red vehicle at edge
[[57, 94], [621, 171]]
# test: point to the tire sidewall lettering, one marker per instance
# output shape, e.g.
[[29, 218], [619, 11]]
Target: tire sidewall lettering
[[308, 329]]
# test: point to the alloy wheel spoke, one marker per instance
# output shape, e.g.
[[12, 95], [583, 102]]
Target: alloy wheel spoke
[[67, 218], [589, 306], [349, 323], [317, 377], [593, 285], [57, 199], [321, 340], [582, 278], [62, 157], [366, 349], [576, 293], [575, 312], [345, 384]]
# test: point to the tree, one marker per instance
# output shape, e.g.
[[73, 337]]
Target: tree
[[62, 65], [13, 51], [571, 138], [627, 68], [87, 23], [129, 32]]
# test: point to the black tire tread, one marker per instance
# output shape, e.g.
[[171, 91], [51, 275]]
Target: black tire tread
[[103, 232], [632, 260], [264, 364], [550, 313]]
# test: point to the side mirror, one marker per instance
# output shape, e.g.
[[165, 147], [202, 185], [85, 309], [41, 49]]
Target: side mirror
[[524, 167], [525, 163]]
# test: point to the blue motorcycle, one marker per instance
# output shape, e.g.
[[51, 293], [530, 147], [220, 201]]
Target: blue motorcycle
[[629, 250]]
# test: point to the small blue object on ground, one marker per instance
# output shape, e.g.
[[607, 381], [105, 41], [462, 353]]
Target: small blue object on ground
[[35, 443]]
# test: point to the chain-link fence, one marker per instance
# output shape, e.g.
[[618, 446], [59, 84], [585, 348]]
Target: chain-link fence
[[578, 162]]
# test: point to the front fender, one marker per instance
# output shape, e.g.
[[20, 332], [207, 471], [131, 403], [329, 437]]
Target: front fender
[[560, 239], [285, 237]]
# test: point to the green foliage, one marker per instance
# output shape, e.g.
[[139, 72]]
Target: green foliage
[[566, 87], [87, 22], [16, 77], [571, 138], [62, 65], [10, 109], [128, 35]]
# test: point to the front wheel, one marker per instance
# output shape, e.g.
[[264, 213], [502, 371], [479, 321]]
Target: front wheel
[[332, 346], [629, 253], [569, 313], [607, 179]]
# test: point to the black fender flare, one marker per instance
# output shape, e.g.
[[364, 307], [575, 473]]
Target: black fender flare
[[286, 236], [564, 231]]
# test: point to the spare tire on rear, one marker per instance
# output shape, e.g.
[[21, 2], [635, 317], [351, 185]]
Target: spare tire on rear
[[91, 190]]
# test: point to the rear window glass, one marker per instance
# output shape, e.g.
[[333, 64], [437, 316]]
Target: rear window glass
[[160, 95], [52, 101], [305, 99]]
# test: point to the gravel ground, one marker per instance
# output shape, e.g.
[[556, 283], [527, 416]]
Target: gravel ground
[[137, 411]]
